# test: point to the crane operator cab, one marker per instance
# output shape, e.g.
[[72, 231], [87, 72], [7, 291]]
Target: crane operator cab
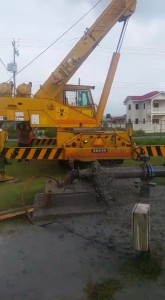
[[80, 98]]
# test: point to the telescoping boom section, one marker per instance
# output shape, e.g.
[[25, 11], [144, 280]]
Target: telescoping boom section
[[117, 10]]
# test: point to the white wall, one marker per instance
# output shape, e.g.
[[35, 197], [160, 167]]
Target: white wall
[[140, 113], [150, 128]]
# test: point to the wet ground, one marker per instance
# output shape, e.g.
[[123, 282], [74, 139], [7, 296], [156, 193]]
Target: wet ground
[[54, 263]]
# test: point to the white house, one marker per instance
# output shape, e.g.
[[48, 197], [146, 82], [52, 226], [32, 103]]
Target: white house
[[146, 112]]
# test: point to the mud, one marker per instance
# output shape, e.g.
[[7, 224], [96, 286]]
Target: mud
[[51, 263]]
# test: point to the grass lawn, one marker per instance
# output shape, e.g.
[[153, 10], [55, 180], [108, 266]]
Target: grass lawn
[[145, 140], [155, 161], [10, 191]]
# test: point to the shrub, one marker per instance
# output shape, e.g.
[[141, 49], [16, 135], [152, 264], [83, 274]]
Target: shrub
[[11, 129], [139, 132], [50, 132]]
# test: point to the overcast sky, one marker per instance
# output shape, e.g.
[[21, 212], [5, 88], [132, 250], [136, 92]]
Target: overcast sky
[[35, 24]]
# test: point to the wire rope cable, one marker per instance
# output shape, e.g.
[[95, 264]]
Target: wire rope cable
[[62, 35]]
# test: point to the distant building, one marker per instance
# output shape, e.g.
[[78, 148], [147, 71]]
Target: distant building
[[146, 112], [115, 121]]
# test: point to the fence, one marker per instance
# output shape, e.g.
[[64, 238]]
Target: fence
[[150, 128], [147, 127]]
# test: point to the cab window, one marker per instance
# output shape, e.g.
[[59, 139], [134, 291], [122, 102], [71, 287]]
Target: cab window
[[83, 98], [78, 98]]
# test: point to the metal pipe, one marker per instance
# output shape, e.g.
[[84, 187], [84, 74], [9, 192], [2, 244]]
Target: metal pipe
[[144, 171]]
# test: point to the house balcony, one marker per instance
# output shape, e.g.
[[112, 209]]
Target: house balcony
[[158, 111]]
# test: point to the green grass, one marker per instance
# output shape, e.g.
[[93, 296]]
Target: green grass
[[141, 133], [104, 290], [155, 161], [144, 266], [22, 172], [12, 143], [149, 141]]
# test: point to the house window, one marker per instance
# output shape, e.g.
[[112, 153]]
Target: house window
[[144, 121], [155, 121], [136, 121], [129, 107], [136, 106], [129, 121], [144, 105], [155, 104]]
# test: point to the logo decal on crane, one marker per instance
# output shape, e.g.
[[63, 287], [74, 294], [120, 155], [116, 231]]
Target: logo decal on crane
[[62, 112], [19, 116]]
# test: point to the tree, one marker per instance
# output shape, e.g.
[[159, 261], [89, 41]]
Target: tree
[[108, 116]]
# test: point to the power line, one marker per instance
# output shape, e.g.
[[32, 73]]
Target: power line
[[125, 50], [29, 43], [3, 64], [68, 42], [119, 83], [57, 39]]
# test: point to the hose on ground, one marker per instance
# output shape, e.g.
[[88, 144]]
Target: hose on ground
[[66, 227]]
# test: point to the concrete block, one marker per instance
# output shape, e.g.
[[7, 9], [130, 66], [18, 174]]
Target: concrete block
[[141, 226]]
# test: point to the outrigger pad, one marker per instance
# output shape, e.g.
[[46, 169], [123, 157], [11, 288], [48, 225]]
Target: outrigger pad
[[4, 178], [76, 198]]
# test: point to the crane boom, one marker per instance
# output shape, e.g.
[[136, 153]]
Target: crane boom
[[116, 11], [70, 109]]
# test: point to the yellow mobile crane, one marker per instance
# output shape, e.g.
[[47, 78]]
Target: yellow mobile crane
[[70, 108]]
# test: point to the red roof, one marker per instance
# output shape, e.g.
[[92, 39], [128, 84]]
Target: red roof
[[147, 96], [117, 118]]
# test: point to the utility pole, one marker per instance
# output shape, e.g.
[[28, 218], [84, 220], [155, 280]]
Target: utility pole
[[15, 52], [12, 66]]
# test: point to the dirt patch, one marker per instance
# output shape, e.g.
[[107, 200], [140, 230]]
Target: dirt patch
[[104, 290]]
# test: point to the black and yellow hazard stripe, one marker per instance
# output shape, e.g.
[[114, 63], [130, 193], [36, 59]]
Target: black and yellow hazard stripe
[[44, 153], [32, 153], [43, 142], [155, 150]]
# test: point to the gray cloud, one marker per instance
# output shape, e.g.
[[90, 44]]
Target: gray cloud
[[150, 10]]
